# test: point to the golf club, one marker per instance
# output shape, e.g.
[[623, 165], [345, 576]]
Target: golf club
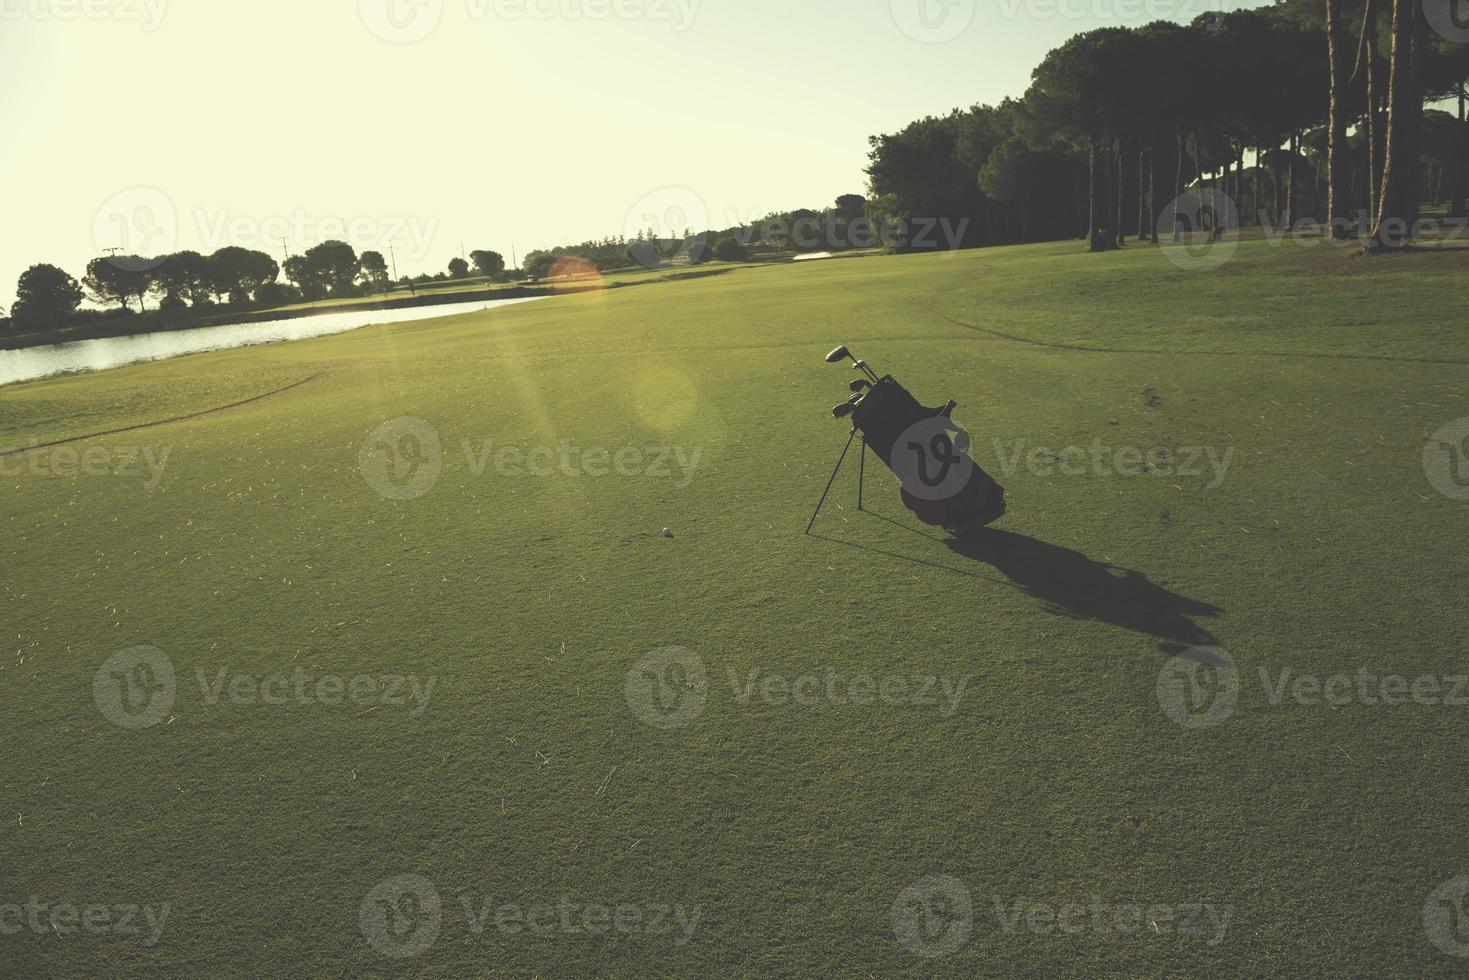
[[860, 384], [842, 410], [842, 353]]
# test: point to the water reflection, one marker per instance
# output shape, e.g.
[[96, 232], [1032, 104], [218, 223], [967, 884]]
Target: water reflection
[[92, 355]]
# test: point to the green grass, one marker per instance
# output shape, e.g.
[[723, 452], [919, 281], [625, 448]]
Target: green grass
[[794, 828]]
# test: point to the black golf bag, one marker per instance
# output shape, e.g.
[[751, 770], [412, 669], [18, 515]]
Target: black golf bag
[[929, 452]]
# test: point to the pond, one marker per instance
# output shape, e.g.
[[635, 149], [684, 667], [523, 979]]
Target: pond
[[30, 363]]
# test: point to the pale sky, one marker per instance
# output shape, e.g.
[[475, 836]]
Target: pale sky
[[154, 125]]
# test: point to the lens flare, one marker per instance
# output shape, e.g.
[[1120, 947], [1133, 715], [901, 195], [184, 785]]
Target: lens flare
[[575, 269]]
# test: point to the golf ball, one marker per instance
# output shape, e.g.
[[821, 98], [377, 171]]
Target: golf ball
[[668, 532]]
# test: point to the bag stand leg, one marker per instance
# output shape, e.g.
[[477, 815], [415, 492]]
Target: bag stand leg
[[840, 460], [861, 471]]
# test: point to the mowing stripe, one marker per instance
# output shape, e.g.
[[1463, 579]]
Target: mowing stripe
[[1190, 353], [149, 425]]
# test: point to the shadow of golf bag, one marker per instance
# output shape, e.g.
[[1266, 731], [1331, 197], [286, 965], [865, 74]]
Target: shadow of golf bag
[[929, 453]]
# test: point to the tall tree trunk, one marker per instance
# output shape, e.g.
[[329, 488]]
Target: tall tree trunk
[[1121, 157], [1096, 197], [1398, 157], [1084, 189], [1239, 182], [1241, 202], [1142, 194], [1218, 184], [1231, 189], [1239, 185], [1238, 165], [1225, 182], [1336, 128], [1241, 194], [1461, 162], [1289, 217], [1226, 175], [1369, 171], [1379, 146], [1177, 188], [1369, 43], [1277, 184], [1258, 208], [1242, 199], [1157, 166], [1216, 213], [1410, 120]]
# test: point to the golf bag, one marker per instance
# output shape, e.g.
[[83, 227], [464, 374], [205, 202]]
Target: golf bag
[[941, 483]]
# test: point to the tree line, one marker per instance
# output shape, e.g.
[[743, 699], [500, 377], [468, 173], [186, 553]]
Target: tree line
[[800, 230], [647, 249], [188, 284], [1305, 111], [1308, 109]]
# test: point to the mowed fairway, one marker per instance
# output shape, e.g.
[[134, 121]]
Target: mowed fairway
[[789, 829]]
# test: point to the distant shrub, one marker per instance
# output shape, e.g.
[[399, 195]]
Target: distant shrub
[[728, 249], [277, 294]]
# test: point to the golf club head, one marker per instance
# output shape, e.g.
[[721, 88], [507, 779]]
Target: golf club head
[[855, 398], [860, 384], [842, 410], [840, 354]]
